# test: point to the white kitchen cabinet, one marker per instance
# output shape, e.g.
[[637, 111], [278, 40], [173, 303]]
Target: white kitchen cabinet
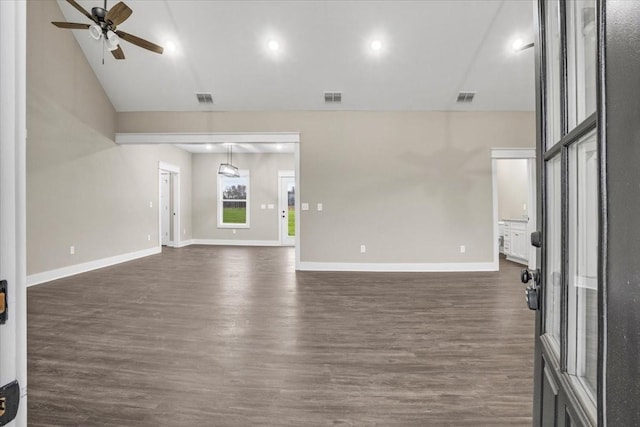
[[516, 242]]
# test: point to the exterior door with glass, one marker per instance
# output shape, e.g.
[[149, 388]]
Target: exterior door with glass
[[587, 325], [567, 359], [287, 210]]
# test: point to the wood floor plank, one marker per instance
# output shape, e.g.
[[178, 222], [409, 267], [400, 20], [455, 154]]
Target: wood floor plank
[[231, 336]]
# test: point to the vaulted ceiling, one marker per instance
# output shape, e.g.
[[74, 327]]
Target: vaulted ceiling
[[429, 51]]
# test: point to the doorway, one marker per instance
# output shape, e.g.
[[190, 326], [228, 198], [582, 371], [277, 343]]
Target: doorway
[[514, 204], [287, 208], [169, 205]]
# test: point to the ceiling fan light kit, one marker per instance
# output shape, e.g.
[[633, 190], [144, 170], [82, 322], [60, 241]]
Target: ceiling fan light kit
[[104, 26]]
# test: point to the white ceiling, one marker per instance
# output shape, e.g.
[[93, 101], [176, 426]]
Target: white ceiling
[[431, 50]]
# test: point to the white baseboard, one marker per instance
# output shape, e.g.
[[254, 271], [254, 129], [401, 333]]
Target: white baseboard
[[184, 243], [398, 267], [236, 242], [72, 270]]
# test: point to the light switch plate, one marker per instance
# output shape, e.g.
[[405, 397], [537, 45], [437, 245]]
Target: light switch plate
[[305, 206], [263, 206]]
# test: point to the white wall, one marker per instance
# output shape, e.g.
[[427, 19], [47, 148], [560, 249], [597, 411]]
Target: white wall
[[411, 186], [83, 190], [263, 190], [513, 188]]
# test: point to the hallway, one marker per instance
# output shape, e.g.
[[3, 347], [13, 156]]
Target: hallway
[[232, 336]]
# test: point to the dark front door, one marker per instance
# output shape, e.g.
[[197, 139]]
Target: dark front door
[[588, 109]]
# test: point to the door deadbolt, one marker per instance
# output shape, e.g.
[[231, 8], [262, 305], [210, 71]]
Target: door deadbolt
[[527, 275]]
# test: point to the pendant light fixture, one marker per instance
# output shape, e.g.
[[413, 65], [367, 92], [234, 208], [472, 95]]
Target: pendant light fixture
[[228, 169]]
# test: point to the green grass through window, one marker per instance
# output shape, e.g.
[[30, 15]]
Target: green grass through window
[[234, 215], [292, 221]]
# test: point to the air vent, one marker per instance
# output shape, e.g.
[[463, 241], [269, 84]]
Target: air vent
[[204, 97], [466, 96], [333, 97]]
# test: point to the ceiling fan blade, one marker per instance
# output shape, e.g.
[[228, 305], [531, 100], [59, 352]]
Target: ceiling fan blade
[[118, 53], [140, 42], [81, 9], [71, 25], [118, 14]]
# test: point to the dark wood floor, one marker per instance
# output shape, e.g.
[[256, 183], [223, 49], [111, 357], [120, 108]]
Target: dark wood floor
[[229, 336]]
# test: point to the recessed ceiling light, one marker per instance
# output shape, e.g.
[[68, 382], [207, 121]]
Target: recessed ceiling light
[[517, 44], [376, 45], [273, 45], [170, 47]]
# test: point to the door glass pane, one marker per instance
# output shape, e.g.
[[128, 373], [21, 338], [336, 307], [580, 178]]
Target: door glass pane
[[581, 59], [582, 341], [553, 272], [553, 72], [291, 203]]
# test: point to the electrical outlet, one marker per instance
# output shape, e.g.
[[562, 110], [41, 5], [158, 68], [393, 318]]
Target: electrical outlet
[[184, 231], [363, 249], [463, 249], [319, 206], [263, 206], [305, 206], [72, 250], [149, 237], [524, 207], [233, 231], [150, 204], [271, 206]]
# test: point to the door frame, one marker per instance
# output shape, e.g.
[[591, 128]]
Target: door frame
[[13, 334], [164, 167], [281, 203], [528, 154]]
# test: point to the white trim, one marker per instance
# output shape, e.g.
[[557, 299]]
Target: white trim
[[513, 153], [184, 243], [72, 270], [286, 174], [296, 156], [13, 335], [397, 267], [207, 138], [222, 242], [175, 182], [168, 167], [528, 154]]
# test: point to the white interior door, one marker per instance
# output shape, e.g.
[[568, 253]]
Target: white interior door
[[286, 210], [13, 316], [165, 206]]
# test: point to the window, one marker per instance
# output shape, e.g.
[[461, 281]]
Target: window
[[553, 253], [233, 201], [581, 61], [583, 265]]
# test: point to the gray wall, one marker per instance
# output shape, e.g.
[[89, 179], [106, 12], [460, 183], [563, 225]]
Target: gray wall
[[513, 188], [263, 190], [83, 189], [412, 186]]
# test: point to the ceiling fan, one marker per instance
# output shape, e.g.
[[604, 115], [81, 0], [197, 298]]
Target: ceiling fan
[[104, 26]]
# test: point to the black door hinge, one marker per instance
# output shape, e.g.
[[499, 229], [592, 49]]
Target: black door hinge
[[3, 302], [9, 402]]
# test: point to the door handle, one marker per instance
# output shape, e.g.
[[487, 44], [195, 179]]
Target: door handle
[[531, 293], [536, 239]]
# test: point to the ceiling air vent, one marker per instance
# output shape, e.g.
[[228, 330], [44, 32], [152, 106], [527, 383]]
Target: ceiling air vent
[[204, 97], [332, 97], [466, 96]]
